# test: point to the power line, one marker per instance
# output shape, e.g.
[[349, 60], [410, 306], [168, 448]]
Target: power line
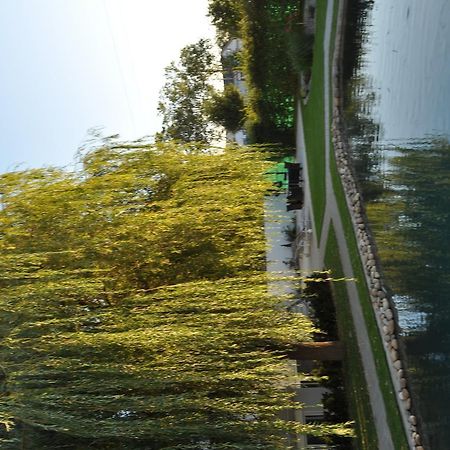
[[119, 66]]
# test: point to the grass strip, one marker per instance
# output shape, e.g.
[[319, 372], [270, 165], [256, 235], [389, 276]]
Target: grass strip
[[355, 383], [314, 126]]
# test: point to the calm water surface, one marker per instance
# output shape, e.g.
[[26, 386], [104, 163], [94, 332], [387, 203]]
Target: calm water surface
[[398, 115]]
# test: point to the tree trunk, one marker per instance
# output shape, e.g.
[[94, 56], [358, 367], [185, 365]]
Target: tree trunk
[[319, 351]]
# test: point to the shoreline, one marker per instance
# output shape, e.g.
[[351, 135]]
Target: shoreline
[[380, 295]]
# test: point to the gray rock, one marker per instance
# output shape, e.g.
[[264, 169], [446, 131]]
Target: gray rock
[[394, 355], [412, 420], [398, 364], [405, 393], [391, 326], [417, 439], [408, 404]]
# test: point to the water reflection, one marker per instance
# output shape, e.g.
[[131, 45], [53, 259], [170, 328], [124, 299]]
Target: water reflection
[[410, 321], [398, 117]]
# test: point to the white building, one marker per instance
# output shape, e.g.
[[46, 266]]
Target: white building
[[233, 75]]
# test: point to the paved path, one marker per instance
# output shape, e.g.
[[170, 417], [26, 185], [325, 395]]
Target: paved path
[[317, 253]]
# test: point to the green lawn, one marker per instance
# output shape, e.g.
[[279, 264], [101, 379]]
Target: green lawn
[[314, 126], [332, 46]]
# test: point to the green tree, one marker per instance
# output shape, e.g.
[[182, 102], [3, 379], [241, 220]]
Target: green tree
[[183, 97], [227, 109], [225, 16], [134, 304]]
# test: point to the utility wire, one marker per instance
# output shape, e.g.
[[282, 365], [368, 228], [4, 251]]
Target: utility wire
[[119, 66]]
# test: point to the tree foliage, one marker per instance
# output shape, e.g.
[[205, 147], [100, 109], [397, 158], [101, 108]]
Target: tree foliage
[[271, 78], [134, 304], [225, 16], [187, 88], [227, 109], [276, 49]]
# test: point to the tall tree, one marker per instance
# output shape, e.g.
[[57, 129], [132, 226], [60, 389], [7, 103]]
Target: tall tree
[[183, 97], [134, 304]]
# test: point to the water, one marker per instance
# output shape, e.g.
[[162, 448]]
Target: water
[[398, 116]]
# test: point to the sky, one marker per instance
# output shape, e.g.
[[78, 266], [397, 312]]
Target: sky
[[68, 66]]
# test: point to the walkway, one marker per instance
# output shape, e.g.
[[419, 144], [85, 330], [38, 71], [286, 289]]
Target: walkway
[[316, 259]]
